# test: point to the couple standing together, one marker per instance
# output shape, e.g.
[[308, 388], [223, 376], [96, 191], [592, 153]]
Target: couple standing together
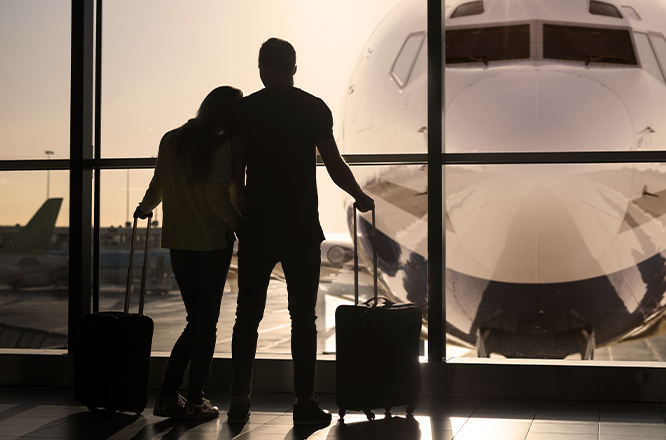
[[257, 156]]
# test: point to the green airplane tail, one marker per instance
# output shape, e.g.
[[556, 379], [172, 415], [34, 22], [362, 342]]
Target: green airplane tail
[[35, 237]]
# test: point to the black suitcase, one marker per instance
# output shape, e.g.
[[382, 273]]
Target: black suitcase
[[112, 359], [377, 350]]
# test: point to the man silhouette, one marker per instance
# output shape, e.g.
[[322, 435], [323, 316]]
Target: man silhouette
[[275, 135]]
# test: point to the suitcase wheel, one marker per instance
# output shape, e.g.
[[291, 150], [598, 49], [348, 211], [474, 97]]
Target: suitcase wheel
[[369, 414], [341, 413], [387, 413], [410, 409]]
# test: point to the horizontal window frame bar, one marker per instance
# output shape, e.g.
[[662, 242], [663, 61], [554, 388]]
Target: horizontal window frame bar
[[560, 157], [518, 158]]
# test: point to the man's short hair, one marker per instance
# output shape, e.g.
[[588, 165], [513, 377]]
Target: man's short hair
[[278, 55]]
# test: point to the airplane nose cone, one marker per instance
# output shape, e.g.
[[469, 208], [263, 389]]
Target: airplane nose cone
[[536, 223], [537, 111]]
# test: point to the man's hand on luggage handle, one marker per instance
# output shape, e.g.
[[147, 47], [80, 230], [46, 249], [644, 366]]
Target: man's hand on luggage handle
[[138, 213], [365, 203]]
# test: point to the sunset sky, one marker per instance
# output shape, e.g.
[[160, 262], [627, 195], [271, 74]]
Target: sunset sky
[[160, 59]]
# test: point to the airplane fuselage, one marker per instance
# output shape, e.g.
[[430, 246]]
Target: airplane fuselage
[[541, 260]]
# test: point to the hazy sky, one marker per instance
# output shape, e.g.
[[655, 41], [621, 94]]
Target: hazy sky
[[160, 59]]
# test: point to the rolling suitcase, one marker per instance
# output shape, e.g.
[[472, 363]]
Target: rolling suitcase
[[377, 350], [112, 360]]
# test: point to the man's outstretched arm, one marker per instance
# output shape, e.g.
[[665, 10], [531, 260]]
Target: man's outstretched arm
[[341, 174]]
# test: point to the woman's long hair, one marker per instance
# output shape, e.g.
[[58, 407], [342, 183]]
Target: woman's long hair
[[197, 141]]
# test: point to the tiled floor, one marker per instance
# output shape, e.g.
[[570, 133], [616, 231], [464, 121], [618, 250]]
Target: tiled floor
[[52, 413]]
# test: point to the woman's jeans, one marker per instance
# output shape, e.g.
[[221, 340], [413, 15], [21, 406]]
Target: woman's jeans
[[301, 271], [201, 276]]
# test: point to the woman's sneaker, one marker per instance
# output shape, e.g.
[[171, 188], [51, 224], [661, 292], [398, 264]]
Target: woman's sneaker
[[170, 406], [238, 412], [204, 410], [311, 414]]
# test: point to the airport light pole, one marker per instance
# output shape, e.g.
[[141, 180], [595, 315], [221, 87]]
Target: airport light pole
[[48, 173]]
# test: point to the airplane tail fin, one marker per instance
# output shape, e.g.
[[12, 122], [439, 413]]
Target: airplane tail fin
[[35, 237]]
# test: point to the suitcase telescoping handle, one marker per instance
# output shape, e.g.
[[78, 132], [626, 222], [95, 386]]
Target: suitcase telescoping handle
[[374, 257], [128, 290]]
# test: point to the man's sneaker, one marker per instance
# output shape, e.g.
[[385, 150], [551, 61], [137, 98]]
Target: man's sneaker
[[311, 414], [170, 406], [238, 412], [204, 410]]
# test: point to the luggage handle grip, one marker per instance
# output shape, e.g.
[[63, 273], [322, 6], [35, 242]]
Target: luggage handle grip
[[381, 299], [374, 258], [128, 289]]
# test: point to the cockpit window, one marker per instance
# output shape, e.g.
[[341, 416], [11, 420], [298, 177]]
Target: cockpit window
[[482, 45], [647, 56], [632, 13], [467, 9], [590, 45], [403, 64], [606, 9]]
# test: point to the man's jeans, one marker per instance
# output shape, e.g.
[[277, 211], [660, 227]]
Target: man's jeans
[[301, 270], [201, 276]]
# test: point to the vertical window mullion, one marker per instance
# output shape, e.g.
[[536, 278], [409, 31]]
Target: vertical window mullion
[[81, 124]]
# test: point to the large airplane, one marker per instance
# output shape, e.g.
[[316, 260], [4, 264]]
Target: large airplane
[[541, 261], [25, 261]]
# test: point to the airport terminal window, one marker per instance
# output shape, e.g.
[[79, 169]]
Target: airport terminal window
[[34, 263], [483, 45], [606, 9], [648, 58], [35, 86], [467, 9], [403, 64], [588, 45], [533, 272]]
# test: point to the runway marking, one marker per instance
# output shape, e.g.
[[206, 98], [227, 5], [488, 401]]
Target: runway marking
[[223, 341]]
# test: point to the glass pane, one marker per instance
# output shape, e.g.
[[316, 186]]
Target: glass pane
[[34, 259], [648, 57], [400, 194], [35, 71], [556, 261], [160, 59]]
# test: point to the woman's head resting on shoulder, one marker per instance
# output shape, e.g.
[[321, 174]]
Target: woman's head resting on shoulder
[[215, 110]]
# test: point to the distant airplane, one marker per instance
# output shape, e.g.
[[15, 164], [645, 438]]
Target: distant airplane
[[542, 261], [25, 261]]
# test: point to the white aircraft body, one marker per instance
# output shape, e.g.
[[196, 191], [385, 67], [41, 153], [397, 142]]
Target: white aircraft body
[[541, 261]]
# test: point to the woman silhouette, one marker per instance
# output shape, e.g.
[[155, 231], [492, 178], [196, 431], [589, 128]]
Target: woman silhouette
[[192, 180]]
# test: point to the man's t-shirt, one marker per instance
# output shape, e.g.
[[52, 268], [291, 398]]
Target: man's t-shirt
[[278, 128]]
